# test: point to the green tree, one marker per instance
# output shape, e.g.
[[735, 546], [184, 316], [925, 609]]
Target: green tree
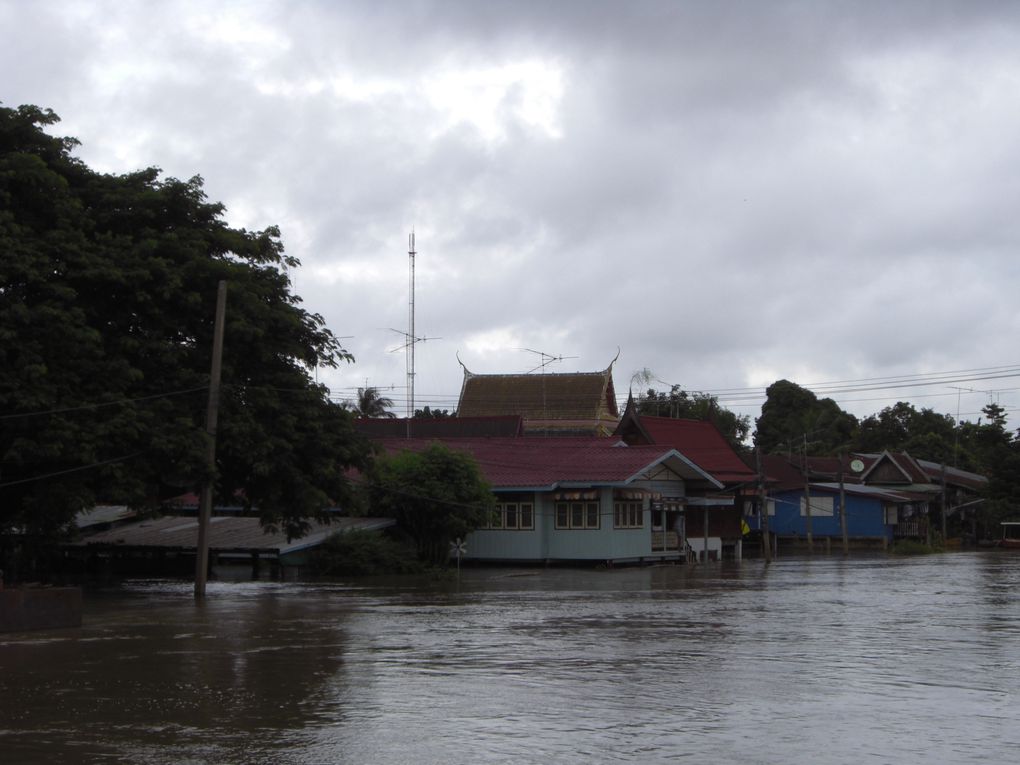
[[679, 404], [434, 414], [792, 415], [923, 433], [371, 403], [107, 295], [436, 495]]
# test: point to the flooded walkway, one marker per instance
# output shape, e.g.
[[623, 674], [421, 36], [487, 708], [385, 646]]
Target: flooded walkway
[[821, 660]]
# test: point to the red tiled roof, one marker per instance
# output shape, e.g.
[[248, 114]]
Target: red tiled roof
[[701, 442], [549, 463]]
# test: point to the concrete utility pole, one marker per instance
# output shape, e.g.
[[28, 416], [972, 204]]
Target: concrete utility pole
[[763, 507], [212, 414], [944, 497], [842, 504], [807, 500]]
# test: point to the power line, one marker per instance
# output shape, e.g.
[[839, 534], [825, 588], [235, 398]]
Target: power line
[[72, 470], [119, 402]]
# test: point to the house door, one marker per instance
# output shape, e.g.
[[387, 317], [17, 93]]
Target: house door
[[667, 527]]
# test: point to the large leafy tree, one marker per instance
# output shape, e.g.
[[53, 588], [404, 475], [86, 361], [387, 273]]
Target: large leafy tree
[[107, 293], [793, 416], [922, 432], [436, 495]]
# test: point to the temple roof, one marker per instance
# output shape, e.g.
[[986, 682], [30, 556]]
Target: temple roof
[[584, 401]]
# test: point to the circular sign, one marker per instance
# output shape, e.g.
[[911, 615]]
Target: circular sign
[[857, 466]]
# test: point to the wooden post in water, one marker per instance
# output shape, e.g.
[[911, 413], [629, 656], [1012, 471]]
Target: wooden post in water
[[212, 414], [944, 496], [763, 508], [706, 533]]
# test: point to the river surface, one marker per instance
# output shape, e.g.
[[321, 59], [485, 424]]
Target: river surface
[[808, 660]]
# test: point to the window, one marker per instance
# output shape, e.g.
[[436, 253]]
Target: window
[[628, 515], [577, 515], [513, 515], [820, 507]]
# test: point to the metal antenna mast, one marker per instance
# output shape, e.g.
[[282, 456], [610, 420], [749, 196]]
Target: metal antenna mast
[[546, 358], [411, 338]]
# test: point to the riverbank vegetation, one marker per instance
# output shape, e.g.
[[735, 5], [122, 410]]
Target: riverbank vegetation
[[108, 287]]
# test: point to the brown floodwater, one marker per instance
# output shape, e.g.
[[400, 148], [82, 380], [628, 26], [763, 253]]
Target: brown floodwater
[[807, 660]]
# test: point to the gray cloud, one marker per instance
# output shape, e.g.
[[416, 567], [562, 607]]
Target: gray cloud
[[724, 191]]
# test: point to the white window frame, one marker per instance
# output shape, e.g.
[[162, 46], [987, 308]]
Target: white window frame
[[579, 515], [628, 514], [821, 507], [506, 512]]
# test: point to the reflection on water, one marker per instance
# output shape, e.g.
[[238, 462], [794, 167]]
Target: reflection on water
[[819, 660]]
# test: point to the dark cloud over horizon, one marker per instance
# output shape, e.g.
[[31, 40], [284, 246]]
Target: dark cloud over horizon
[[730, 193]]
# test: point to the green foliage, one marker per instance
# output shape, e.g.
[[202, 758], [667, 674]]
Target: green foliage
[[923, 433], [433, 414], [436, 495], [364, 553], [679, 404], [792, 414], [107, 296], [371, 403]]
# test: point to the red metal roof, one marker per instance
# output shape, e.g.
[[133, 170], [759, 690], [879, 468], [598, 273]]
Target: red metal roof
[[444, 427], [701, 442], [548, 463]]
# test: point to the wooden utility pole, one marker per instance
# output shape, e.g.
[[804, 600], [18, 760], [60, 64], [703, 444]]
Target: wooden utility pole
[[763, 507], [212, 414], [842, 504], [807, 500]]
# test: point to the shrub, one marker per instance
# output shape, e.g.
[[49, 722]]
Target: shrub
[[364, 553]]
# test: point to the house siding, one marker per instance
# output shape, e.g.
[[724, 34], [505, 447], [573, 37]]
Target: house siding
[[865, 516], [548, 543]]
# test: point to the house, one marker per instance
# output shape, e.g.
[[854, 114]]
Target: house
[[888, 496], [581, 499], [704, 444], [561, 404], [869, 509]]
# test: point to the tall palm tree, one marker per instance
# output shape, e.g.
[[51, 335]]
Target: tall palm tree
[[372, 404]]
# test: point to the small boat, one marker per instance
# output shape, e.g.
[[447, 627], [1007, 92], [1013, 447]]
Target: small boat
[[1010, 535]]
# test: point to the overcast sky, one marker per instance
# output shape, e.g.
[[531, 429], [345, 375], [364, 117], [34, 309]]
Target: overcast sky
[[725, 193]]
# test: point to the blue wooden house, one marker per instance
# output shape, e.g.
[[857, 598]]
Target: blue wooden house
[[888, 496]]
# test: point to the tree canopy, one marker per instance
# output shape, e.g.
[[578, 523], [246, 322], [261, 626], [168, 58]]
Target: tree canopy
[[107, 294], [436, 495], [792, 415]]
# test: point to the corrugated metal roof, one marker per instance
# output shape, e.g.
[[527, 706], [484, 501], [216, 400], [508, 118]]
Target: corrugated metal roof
[[103, 514], [174, 532]]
